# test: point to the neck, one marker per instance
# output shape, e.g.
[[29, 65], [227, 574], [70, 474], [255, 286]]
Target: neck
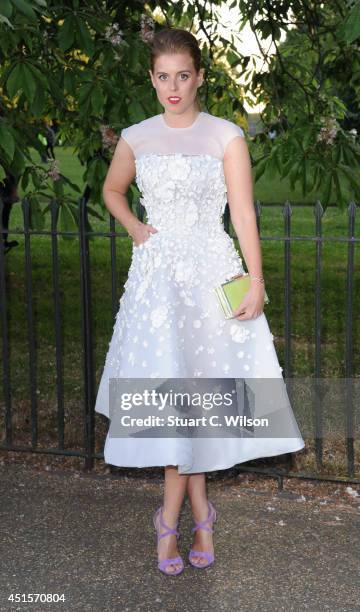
[[180, 120]]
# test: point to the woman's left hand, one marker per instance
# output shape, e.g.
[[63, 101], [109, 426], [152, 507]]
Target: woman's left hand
[[253, 303]]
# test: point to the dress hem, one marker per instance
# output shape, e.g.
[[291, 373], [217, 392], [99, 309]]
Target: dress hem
[[214, 469]]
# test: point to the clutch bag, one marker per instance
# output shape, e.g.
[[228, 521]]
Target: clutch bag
[[231, 293]]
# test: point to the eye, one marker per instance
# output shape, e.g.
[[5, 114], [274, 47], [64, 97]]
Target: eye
[[183, 74], [162, 75]]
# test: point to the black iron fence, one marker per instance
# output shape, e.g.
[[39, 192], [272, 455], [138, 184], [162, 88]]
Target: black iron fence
[[87, 447]]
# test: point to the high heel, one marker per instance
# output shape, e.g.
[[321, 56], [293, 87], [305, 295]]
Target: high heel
[[210, 557], [165, 562]]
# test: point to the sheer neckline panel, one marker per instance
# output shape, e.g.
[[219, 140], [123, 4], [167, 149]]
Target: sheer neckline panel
[[189, 127], [208, 135]]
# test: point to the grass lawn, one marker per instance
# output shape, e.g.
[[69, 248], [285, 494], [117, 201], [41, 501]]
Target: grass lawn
[[303, 252]]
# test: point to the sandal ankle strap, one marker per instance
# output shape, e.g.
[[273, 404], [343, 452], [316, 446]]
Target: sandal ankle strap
[[210, 519], [169, 530]]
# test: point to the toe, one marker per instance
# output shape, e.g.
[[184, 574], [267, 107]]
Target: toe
[[199, 560], [173, 567]]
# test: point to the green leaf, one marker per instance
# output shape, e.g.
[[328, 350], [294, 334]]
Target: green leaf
[[293, 175], [25, 179], [348, 156], [233, 58], [37, 181], [94, 213], [312, 178], [69, 81], [6, 8], [260, 168], [83, 37], [38, 102], [319, 174], [66, 35], [28, 84], [67, 220], [7, 142], [356, 154], [71, 184], [58, 186], [277, 161], [350, 29], [21, 78], [136, 112], [25, 9], [337, 186], [37, 220], [303, 176], [19, 161], [2, 173], [84, 93], [286, 168], [5, 20], [13, 83], [38, 75], [133, 58], [89, 174], [272, 166], [325, 193], [97, 100], [307, 138], [95, 172], [351, 175]]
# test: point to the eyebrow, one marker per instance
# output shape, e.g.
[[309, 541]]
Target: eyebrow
[[163, 71]]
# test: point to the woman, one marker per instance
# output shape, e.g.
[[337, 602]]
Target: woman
[[187, 164]]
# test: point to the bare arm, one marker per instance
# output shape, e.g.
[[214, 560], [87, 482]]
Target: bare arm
[[238, 177], [120, 175]]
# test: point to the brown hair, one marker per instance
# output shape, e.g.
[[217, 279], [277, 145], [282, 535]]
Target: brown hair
[[176, 40]]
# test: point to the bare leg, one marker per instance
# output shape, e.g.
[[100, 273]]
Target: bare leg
[[174, 492], [203, 540]]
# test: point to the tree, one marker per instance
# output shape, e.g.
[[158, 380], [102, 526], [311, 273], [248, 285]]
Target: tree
[[310, 93], [84, 64]]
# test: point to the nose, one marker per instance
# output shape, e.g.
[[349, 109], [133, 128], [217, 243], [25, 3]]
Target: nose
[[173, 85]]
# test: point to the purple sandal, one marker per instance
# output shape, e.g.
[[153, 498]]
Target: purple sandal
[[165, 562], [203, 525]]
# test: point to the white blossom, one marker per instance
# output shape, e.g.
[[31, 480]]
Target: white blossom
[[54, 170], [179, 168], [328, 132], [147, 27], [109, 137], [158, 316], [113, 34], [239, 333]]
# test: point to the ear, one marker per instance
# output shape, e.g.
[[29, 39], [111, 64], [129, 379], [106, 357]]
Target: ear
[[151, 77], [200, 77]]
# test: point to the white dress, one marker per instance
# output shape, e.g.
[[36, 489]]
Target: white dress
[[169, 323]]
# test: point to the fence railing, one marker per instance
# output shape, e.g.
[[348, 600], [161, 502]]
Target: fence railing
[[87, 450]]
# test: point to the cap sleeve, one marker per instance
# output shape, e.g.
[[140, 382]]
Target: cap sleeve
[[229, 132], [129, 135]]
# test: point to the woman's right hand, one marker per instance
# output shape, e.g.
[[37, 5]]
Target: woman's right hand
[[142, 232]]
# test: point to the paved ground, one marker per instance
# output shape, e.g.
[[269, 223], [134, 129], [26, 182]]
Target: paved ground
[[90, 537]]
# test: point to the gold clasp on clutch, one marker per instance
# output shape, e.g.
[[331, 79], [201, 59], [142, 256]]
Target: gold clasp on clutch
[[236, 276]]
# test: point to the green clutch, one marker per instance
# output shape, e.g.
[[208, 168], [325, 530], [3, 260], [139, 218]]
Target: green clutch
[[231, 293]]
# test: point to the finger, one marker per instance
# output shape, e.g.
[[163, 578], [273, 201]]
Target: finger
[[239, 312]]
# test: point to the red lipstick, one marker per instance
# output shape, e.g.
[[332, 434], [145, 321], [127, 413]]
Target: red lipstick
[[174, 99]]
